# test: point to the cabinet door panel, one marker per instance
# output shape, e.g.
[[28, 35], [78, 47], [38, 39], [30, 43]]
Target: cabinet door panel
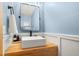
[[69, 47]]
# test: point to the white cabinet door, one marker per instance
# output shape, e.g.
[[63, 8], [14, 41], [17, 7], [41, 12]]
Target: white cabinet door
[[69, 47]]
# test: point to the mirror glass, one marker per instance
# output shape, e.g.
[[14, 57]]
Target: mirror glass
[[29, 17]]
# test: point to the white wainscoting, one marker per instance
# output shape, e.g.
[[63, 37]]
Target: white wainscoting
[[69, 47], [60, 39]]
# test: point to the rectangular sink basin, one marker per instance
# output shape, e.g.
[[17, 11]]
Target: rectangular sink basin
[[34, 41]]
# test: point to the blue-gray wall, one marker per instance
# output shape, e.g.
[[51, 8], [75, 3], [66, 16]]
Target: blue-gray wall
[[61, 18], [6, 13]]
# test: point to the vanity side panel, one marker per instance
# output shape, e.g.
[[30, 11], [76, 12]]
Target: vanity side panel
[[1, 30]]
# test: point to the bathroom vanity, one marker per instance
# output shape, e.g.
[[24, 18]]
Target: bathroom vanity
[[16, 50]]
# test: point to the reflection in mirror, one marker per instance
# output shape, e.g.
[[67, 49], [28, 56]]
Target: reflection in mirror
[[29, 17]]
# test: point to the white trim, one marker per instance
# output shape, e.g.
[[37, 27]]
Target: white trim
[[66, 36]]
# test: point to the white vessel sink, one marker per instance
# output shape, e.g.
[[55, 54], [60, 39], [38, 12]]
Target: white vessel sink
[[34, 41]]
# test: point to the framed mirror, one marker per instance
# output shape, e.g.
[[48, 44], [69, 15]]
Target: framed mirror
[[29, 17]]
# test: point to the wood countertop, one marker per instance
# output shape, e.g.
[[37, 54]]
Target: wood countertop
[[16, 50]]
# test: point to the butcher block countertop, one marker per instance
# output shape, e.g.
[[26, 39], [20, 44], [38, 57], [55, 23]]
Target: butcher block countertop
[[16, 50]]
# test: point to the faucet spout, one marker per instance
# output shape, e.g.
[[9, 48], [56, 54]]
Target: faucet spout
[[30, 32]]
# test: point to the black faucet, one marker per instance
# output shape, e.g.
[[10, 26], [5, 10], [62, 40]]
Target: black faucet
[[30, 32]]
